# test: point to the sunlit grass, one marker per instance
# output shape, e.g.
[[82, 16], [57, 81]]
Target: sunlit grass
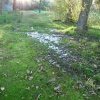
[[20, 53]]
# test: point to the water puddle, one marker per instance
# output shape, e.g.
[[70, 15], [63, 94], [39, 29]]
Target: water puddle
[[59, 55], [45, 38], [51, 40]]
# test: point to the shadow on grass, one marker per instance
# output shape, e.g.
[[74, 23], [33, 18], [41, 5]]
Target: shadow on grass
[[94, 33]]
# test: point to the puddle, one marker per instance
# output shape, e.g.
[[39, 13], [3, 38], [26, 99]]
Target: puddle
[[59, 56], [45, 38], [51, 40]]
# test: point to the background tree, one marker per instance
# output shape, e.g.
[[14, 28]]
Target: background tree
[[83, 17], [14, 4], [66, 10], [1, 6], [97, 3]]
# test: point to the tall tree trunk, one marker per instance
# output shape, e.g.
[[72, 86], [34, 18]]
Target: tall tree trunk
[[83, 17], [1, 4], [14, 5]]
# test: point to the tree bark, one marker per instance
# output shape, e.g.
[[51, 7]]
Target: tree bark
[[83, 17], [14, 5], [1, 6], [40, 6]]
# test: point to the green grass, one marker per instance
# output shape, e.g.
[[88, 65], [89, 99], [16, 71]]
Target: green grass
[[19, 54], [41, 22], [23, 77]]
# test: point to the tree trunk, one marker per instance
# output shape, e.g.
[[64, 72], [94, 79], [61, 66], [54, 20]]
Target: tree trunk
[[14, 5], [83, 17], [1, 7]]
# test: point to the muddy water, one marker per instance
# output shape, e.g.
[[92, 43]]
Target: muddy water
[[59, 55], [51, 40]]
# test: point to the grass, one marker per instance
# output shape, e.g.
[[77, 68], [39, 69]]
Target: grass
[[19, 56], [87, 48], [23, 76], [26, 75], [38, 23]]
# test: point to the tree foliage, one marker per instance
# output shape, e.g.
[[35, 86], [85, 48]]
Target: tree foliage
[[67, 8], [75, 10], [97, 2]]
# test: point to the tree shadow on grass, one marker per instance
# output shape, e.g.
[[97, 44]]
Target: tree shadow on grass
[[94, 33]]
